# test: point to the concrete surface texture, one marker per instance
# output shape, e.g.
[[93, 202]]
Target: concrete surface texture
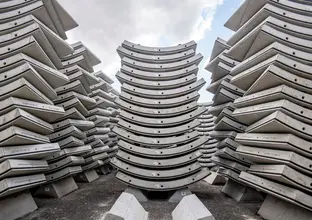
[[92, 201], [272, 114]]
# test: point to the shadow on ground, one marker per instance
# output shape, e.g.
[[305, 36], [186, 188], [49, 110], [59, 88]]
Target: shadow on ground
[[92, 200]]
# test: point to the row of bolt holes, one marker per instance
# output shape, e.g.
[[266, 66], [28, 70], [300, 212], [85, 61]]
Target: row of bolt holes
[[160, 74], [158, 141], [159, 102], [159, 58], [159, 111], [160, 121], [139, 44], [162, 152], [162, 66]]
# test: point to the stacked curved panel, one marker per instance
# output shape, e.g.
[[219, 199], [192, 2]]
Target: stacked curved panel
[[226, 126], [31, 44], [104, 115], [273, 45], [72, 131], [204, 128], [158, 146]]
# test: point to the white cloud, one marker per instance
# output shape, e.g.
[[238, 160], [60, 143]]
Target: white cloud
[[104, 24]]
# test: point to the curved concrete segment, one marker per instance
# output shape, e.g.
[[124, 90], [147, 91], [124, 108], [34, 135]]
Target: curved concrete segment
[[162, 67], [162, 185], [159, 50]]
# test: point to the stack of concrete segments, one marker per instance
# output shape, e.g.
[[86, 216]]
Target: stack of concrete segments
[[226, 126], [105, 116], [273, 45], [158, 146], [71, 130], [206, 126], [31, 44]]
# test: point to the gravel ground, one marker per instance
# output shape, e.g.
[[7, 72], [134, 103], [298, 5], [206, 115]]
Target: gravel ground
[[92, 200]]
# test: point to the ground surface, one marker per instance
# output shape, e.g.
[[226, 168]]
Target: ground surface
[[92, 200]]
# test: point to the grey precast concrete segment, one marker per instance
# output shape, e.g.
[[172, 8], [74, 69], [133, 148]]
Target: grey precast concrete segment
[[164, 152], [31, 75], [75, 72], [283, 174], [52, 76], [70, 142], [19, 136], [289, 11], [225, 113], [74, 103], [90, 56], [281, 123], [278, 190], [229, 174], [216, 109], [123, 52], [97, 130], [250, 44], [228, 143], [191, 208], [227, 124], [147, 131], [151, 174], [81, 150], [221, 135], [230, 154], [102, 75], [156, 84], [224, 96], [58, 20], [22, 119], [68, 161], [17, 167], [28, 46], [86, 100], [219, 46], [162, 185], [81, 58], [161, 76], [158, 163], [152, 141], [61, 174], [282, 68], [71, 113], [229, 164], [287, 142], [102, 85], [70, 131], [152, 112], [161, 122], [17, 184], [269, 156], [270, 51], [75, 86], [99, 111], [162, 67], [32, 152], [212, 66], [166, 93], [96, 150], [21, 88], [101, 93], [221, 71], [80, 124], [159, 50], [40, 36], [273, 94], [276, 76], [230, 87], [251, 114]]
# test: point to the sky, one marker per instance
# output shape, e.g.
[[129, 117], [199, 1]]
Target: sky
[[105, 24]]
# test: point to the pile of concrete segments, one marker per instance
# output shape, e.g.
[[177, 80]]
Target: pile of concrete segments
[[261, 78], [159, 147], [204, 128], [56, 113]]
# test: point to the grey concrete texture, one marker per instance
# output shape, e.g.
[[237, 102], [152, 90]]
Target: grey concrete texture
[[92, 201]]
